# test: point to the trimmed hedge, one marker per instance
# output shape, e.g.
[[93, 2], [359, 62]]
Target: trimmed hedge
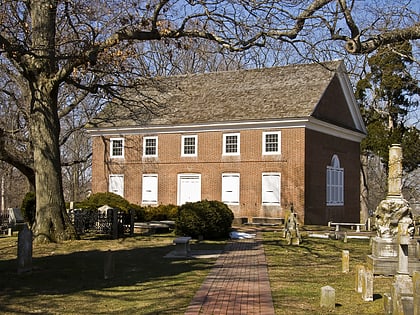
[[208, 219]]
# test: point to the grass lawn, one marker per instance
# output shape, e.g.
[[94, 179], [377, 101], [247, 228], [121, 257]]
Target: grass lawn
[[297, 274], [68, 278]]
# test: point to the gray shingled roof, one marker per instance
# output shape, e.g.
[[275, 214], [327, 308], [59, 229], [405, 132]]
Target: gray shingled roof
[[271, 93]]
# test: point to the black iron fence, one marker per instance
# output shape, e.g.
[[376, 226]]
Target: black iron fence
[[112, 221]]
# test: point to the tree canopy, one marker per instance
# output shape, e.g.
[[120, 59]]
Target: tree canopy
[[69, 57]]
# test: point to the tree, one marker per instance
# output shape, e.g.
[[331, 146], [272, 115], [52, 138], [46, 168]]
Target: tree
[[387, 94], [89, 51]]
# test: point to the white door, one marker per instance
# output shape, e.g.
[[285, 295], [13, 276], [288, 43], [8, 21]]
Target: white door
[[116, 184], [271, 188], [189, 188], [149, 189], [230, 188]]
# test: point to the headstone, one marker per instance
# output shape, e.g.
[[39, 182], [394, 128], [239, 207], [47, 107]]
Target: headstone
[[367, 286], [328, 297], [402, 294], [15, 216], [416, 292], [387, 304], [403, 239], [109, 265], [24, 256], [360, 269], [345, 261]]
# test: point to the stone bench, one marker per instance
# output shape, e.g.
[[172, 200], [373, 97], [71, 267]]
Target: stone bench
[[338, 224], [182, 246]]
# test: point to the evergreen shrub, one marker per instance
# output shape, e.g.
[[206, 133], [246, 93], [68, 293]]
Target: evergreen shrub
[[161, 213], [208, 219]]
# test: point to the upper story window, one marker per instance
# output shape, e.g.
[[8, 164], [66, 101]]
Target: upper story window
[[271, 142], [150, 146], [335, 183], [189, 146], [231, 144], [117, 147]]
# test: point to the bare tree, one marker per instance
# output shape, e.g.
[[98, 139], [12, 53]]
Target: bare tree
[[89, 50]]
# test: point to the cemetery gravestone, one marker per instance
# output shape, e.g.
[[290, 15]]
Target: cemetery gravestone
[[109, 265], [24, 256], [345, 261], [328, 297]]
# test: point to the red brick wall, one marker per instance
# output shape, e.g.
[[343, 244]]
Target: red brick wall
[[210, 163], [319, 151]]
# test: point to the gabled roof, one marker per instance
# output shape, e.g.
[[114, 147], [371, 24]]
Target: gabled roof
[[277, 93]]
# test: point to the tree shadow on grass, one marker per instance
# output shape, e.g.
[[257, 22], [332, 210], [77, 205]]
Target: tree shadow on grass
[[67, 274]]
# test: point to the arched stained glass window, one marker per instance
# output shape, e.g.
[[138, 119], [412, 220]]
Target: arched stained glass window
[[335, 183]]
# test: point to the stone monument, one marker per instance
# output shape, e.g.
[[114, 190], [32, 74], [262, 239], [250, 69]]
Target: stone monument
[[391, 212], [291, 229]]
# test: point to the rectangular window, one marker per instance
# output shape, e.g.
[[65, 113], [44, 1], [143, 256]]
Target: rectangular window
[[231, 144], [230, 188], [117, 147], [189, 146], [271, 142], [150, 146], [149, 189], [116, 184], [271, 188]]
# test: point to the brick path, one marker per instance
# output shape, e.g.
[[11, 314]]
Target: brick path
[[237, 284]]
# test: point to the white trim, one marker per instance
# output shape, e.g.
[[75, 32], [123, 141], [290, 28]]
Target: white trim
[[264, 139], [238, 143], [144, 146], [111, 148], [183, 145], [307, 122]]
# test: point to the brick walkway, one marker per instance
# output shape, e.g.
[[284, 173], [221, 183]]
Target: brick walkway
[[237, 284]]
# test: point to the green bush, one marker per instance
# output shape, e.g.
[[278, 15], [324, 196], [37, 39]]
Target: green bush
[[98, 200], [161, 213], [209, 219], [28, 207]]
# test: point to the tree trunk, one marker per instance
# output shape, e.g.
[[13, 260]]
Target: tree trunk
[[364, 192], [51, 221]]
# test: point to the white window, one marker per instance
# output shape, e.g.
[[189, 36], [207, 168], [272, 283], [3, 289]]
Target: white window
[[150, 146], [271, 142], [335, 183], [150, 189], [116, 184], [230, 188], [231, 144], [117, 147], [271, 188], [189, 188], [189, 146]]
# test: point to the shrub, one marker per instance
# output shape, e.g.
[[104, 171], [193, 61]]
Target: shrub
[[98, 200], [28, 207], [161, 213], [209, 219]]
